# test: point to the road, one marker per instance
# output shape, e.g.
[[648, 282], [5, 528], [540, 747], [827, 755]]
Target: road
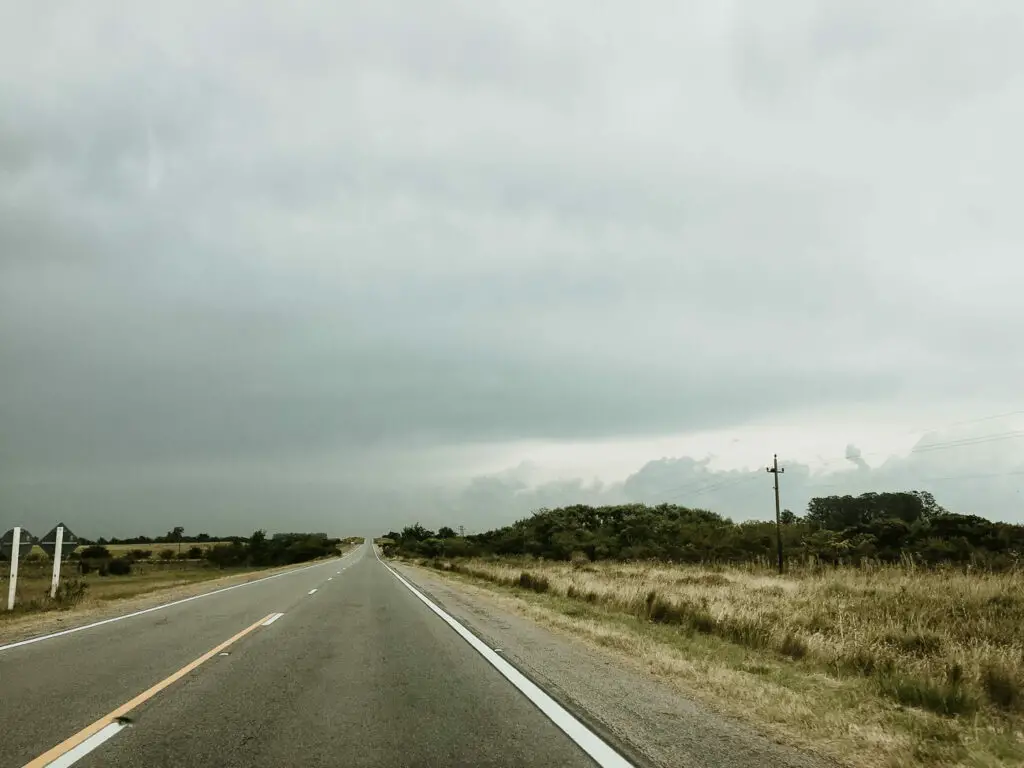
[[355, 670]]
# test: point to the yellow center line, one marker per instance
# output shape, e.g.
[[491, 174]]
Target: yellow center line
[[70, 743]]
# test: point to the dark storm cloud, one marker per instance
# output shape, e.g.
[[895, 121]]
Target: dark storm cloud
[[232, 242]]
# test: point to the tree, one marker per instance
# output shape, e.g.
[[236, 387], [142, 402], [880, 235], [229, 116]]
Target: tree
[[416, 532], [223, 555], [445, 533], [175, 535], [166, 555], [837, 513], [258, 548]]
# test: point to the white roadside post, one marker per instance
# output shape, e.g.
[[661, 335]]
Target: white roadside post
[[56, 561], [15, 556]]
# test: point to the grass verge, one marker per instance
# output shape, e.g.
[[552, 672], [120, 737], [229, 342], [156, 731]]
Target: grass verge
[[876, 667]]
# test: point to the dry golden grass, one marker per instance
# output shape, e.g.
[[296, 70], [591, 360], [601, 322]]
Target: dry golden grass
[[34, 583], [880, 666], [117, 550]]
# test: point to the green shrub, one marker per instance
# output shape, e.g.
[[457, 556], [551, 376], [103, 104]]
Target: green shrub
[[579, 559], [662, 611], [793, 646], [95, 552], [916, 643], [704, 579], [865, 662], [533, 581], [746, 632], [195, 553], [119, 566], [166, 554], [1002, 687], [949, 698], [70, 592]]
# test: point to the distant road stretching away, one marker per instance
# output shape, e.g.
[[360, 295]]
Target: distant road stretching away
[[339, 663]]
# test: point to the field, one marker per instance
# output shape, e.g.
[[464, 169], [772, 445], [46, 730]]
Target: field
[[874, 666], [118, 550]]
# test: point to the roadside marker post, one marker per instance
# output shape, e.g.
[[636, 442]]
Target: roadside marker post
[[15, 545], [58, 543], [58, 548], [12, 588]]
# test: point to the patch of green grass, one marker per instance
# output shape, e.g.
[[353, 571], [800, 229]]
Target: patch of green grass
[[949, 697], [1002, 687], [793, 646]]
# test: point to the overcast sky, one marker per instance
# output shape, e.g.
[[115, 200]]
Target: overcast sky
[[338, 266]]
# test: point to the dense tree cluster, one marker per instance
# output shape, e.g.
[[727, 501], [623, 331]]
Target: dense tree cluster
[[173, 536], [236, 551], [280, 549], [836, 529]]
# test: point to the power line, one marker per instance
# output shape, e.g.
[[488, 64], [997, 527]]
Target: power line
[[972, 477], [726, 484], [968, 421], [816, 486], [967, 441]]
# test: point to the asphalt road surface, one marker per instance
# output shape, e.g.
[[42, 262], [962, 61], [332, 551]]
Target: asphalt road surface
[[355, 671]]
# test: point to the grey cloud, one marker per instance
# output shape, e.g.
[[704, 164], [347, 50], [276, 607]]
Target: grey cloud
[[853, 455], [253, 240]]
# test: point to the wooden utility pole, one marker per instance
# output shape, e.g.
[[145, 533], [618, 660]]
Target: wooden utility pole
[[774, 469]]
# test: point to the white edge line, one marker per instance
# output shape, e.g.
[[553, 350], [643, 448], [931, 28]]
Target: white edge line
[[272, 619], [311, 591], [587, 740], [84, 627], [72, 756]]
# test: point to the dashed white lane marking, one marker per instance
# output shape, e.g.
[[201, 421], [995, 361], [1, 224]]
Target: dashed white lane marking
[[72, 756], [272, 619], [311, 591], [587, 740]]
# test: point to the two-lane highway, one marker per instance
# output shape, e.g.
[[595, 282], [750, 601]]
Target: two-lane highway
[[341, 663]]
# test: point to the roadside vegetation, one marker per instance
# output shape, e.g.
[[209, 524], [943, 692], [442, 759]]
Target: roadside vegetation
[[838, 530], [873, 650]]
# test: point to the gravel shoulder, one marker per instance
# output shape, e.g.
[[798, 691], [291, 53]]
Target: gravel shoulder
[[649, 718]]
